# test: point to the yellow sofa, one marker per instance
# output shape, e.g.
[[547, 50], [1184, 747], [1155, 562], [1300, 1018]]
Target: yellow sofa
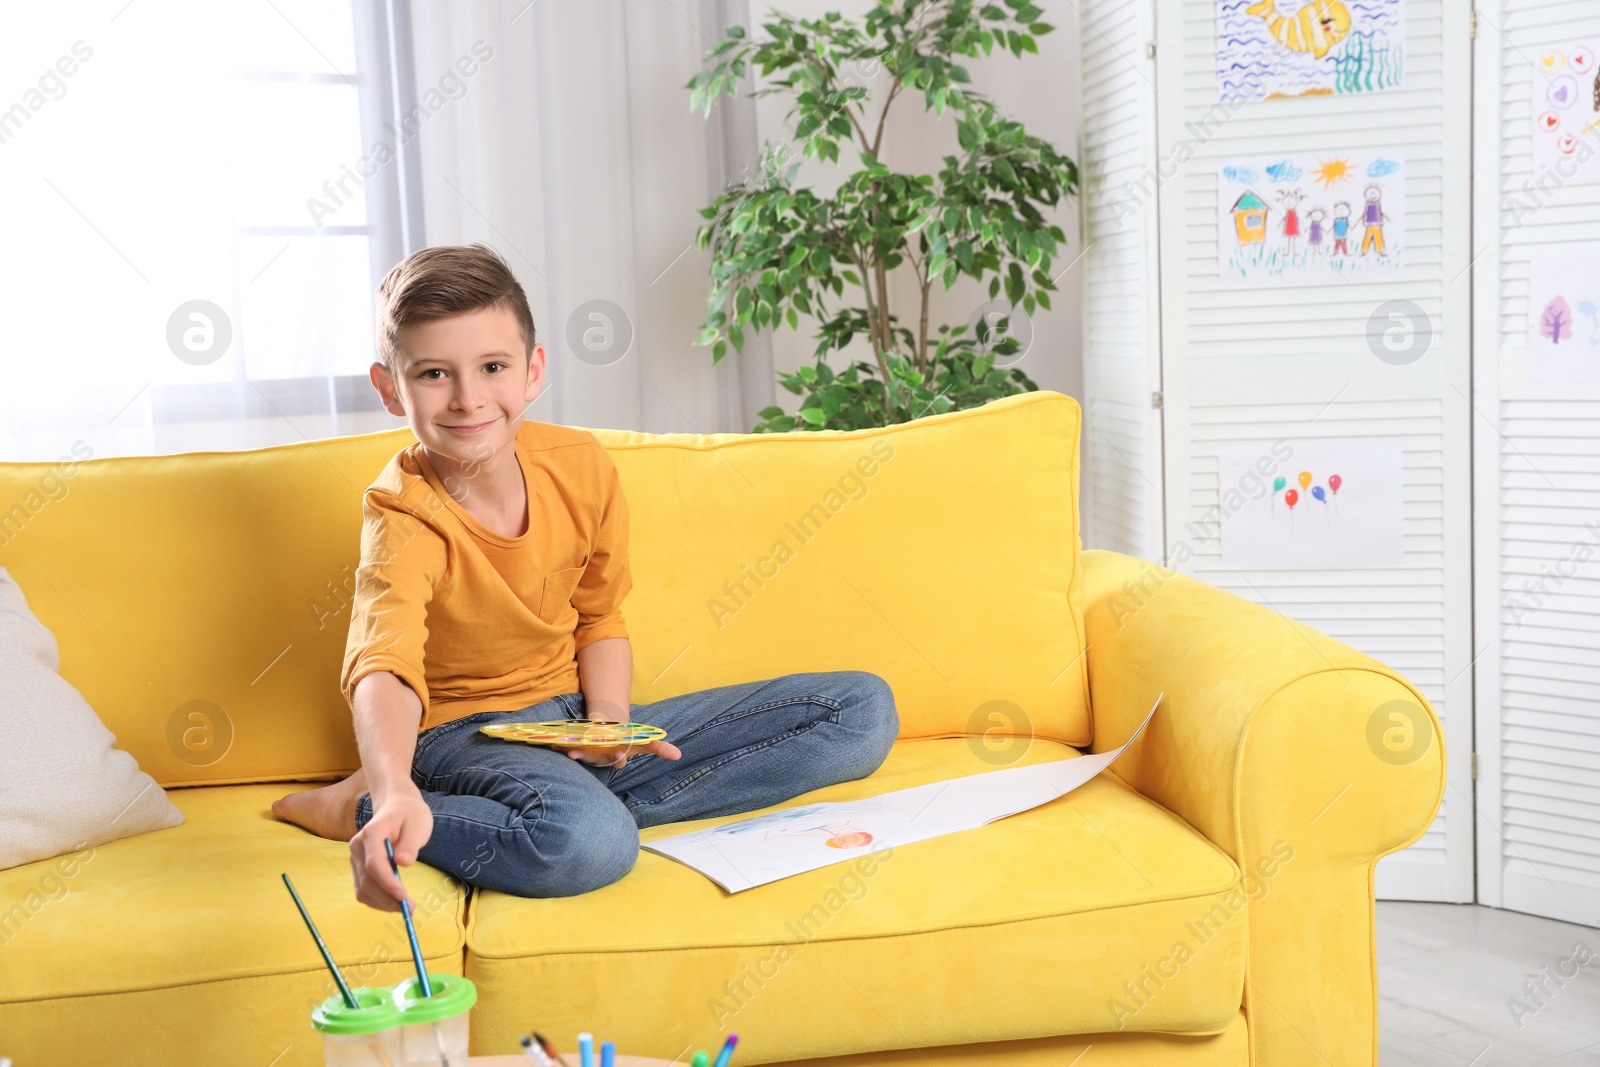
[[1208, 901]]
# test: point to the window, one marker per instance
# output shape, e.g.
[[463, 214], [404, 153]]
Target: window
[[204, 199]]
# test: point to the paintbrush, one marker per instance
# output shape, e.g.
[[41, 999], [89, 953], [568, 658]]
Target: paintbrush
[[411, 929], [536, 1053], [416, 952], [327, 957]]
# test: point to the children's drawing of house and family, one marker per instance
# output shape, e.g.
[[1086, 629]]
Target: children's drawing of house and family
[[1301, 219]]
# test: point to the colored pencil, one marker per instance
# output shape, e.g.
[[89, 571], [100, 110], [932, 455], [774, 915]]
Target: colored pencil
[[727, 1050]]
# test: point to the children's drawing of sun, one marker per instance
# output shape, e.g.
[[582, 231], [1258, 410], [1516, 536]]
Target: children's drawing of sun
[[836, 834], [1331, 172]]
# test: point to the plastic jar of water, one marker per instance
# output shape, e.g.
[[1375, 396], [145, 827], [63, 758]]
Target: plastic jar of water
[[367, 1035], [433, 1030]]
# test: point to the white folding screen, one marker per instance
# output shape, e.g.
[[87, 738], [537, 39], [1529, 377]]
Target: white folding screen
[[1300, 360], [1537, 457], [1122, 428], [1317, 360]]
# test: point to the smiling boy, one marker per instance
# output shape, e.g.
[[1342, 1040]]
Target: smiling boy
[[494, 564]]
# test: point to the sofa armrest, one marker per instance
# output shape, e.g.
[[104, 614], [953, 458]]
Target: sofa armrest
[[1303, 759]]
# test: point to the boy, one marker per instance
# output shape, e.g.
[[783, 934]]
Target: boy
[[494, 563]]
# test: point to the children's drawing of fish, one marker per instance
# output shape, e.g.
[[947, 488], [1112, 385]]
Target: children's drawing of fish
[[1315, 28]]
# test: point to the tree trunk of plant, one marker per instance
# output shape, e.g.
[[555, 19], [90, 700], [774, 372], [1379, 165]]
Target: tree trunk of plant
[[872, 330], [922, 330], [886, 336]]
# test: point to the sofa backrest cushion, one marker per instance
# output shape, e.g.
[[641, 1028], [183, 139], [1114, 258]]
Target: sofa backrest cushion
[[201, 600]]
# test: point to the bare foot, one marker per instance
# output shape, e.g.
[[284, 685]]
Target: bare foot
[[328, 811]]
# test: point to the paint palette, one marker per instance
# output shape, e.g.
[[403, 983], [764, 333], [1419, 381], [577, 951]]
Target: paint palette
[[576, 733]]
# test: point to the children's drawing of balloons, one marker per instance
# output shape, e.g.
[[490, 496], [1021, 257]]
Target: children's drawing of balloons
[[1291, 498], [1304, 479], [1334, 482]]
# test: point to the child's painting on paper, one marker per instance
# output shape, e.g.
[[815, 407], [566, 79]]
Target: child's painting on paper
[[1564, 313], [1334, 503], [1277, 48], [1565, 111], [1311, 218]]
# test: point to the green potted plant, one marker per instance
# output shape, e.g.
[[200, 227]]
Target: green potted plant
[[778, 251]]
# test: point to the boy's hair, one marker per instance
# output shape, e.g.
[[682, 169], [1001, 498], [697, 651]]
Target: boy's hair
[[435, 283]]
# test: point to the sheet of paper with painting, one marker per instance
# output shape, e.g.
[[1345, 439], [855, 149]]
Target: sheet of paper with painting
[[1564, 313], [755, 851], [1565, 112], [1286, 48], [1311, 218]]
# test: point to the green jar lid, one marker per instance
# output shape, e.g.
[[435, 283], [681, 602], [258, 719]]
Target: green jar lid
[[452, 995], [376, 1011]]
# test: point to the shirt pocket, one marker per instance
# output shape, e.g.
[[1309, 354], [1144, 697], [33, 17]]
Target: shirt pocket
[[557, 597]]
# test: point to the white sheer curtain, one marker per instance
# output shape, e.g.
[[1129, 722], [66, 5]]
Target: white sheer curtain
[[169, 284], [576, 155]]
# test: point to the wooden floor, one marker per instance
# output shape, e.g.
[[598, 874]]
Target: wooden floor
[[1448, 975]]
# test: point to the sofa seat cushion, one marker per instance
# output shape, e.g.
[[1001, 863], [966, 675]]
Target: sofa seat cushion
[[203, 902], [1096, 912]]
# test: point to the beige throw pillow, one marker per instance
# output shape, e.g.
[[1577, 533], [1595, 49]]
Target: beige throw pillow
[[64, 785]]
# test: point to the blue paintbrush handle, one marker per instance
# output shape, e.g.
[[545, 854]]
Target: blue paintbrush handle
[[411, 929]]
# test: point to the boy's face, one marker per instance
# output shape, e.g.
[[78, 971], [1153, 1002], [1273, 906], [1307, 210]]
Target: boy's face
[[462, 383]]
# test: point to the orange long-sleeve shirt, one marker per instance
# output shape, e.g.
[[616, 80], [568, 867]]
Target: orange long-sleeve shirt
[[471, 620]]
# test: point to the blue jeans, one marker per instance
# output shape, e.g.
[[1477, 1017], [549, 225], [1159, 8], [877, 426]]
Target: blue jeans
[[534, 822]]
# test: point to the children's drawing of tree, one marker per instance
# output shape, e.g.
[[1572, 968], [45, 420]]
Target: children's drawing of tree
[[1555, 325]]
